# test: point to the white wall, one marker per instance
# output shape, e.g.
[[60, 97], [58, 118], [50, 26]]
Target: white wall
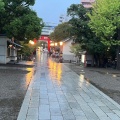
[[67, 55], [82, 58], [3, 49], [88, 59], [66, 47]]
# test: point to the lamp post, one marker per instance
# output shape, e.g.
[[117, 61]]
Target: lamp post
[[61, 46], [32, 56]]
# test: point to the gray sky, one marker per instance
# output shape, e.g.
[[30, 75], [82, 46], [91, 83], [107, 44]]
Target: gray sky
[[51, 10]]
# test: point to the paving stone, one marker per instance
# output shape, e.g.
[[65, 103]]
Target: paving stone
[[64, 95], [32, 117]]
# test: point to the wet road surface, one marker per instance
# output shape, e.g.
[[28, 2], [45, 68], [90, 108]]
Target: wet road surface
[[14, 81], [107, 80], [58, 93]]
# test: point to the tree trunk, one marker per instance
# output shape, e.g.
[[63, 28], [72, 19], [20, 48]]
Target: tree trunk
[[118, 58], [118, 52]]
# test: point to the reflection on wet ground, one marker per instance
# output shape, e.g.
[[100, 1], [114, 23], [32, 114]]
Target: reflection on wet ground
[[13, 85], [107, 80], [53, 68], [58, 93]]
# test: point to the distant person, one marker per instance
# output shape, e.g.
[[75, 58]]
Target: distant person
[[61, 57], [61, 54]]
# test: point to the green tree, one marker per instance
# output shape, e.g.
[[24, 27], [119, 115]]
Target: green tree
[[26, 50], [76, 49], [78, 22], [105, 21], [1, 5], [19, 21], [83, 34], [20, 30], [61, 32]]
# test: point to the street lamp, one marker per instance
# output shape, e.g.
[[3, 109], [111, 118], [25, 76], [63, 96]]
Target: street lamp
[[61, 43], [61, 46], [31, 42], [55, 44]]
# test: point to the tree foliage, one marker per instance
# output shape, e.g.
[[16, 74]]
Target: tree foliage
[[78, 21], [84, 35], [105, 21], [26, 50], [1, 5], [82, 32], [76, 49], [61, 32], [19, 21]]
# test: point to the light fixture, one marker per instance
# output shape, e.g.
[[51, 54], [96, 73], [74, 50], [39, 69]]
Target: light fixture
[[61, 43], [55, 44], [31, 42], [10, 46], [52, 44]]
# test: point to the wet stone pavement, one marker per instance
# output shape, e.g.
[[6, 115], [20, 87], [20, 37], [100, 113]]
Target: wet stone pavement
[[14, 81], [107, 80], [58, 93]]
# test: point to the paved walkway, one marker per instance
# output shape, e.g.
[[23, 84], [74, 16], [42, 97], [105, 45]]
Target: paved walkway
[[107, 80], [58, 93]]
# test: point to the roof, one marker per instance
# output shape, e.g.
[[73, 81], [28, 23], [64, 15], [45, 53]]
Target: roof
[[14, 43], [67, 39]]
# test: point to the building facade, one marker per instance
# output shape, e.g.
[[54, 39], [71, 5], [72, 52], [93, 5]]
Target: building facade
[[63, 18], [48, 28], [67, 54], [87, 3], [8, 50]]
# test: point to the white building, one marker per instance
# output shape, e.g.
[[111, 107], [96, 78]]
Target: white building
[[63, 18], [67, 54], [8, 50], [85, 58], [48, 29]]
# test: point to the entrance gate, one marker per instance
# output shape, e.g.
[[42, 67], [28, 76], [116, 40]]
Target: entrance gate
[[45, 38]]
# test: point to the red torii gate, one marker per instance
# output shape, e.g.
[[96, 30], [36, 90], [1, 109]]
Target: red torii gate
[[44, 38]]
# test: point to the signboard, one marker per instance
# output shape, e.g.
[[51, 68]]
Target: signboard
[[43, 37]]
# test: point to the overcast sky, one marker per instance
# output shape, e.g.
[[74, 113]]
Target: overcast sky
[[51, 10]]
